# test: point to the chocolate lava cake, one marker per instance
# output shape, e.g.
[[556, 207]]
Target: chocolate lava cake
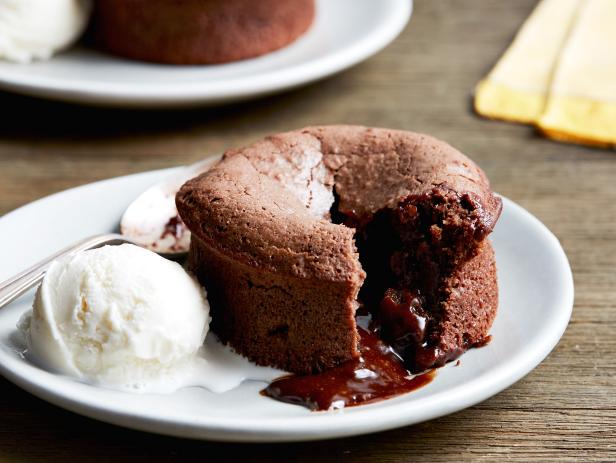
[[197, 31], [296, 234]]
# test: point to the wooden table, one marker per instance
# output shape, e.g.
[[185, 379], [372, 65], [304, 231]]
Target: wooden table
[[564, 410]]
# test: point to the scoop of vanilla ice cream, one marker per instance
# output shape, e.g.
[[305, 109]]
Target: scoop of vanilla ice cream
[[119, 316], [36, 29]]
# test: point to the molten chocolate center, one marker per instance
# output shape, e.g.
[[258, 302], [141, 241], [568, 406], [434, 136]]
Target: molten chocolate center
[[406, 252]]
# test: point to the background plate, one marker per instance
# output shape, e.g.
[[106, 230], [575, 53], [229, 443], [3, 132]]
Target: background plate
[[536, 298], [344, 33]]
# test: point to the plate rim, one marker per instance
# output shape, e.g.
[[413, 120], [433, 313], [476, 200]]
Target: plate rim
[[311, 427], [196, 93]]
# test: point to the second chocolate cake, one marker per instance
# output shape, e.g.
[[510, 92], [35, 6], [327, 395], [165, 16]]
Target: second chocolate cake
[[294, 233], [193, 32]]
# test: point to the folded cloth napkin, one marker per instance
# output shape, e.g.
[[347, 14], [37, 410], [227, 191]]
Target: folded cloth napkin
[[582, 103], [559, 73], [517, 88]]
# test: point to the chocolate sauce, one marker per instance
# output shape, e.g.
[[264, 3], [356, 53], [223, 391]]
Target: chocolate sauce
[[174, 227], [402, 318], [402, 322], [378, 374]]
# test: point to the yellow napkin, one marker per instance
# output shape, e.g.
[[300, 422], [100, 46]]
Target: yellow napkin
[[517, 87], [559, 73], [582, 102]]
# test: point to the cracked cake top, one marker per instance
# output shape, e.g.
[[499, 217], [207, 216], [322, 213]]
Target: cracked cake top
[[269, 203]]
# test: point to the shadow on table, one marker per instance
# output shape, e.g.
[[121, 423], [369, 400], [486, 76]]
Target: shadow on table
[[32, 428], [28, 117]]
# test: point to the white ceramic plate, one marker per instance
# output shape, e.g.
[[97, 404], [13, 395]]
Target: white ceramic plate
[[536, 298], [344, 33]]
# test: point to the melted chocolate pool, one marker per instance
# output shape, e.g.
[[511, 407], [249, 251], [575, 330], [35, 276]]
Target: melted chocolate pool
[[378, 374]]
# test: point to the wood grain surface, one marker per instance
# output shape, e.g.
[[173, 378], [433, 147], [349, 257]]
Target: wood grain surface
[[565, 410]]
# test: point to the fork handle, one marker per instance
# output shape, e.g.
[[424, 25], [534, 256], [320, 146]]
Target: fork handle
[[14, 287]]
